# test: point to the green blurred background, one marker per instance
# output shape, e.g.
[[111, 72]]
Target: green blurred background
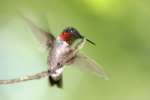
[[120, 29]]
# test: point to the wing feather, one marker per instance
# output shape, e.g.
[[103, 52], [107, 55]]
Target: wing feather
[[83, 62], [45, 38]]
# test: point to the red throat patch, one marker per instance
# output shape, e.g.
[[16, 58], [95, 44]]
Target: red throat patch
[[65, 36]]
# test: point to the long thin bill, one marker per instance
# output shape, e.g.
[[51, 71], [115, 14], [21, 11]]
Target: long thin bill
[[90, 41]]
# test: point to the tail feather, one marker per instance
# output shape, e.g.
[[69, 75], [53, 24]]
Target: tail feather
[[58, 83]]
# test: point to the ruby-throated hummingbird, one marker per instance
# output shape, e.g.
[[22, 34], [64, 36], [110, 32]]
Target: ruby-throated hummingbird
[[63, 50]]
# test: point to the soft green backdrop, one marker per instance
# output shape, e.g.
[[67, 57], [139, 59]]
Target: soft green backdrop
[[120, 29]]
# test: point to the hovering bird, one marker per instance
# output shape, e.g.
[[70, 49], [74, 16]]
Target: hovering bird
[[65, 50]]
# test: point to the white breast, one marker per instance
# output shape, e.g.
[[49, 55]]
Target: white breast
[[58, 53]]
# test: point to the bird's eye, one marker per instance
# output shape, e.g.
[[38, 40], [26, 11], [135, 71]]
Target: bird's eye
[[71, 31]]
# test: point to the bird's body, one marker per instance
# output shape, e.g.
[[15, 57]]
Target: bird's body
[[58, 56]]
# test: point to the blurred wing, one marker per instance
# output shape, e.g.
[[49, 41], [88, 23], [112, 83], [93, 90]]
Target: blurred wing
[[45, 38], [85, 63]]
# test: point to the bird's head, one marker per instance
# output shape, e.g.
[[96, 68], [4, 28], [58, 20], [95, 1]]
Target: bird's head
[[71, 34]]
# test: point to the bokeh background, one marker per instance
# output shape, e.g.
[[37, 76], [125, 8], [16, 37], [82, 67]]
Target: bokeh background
[[120, 29]]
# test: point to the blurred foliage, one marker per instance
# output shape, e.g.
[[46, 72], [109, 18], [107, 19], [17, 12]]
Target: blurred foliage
[[120, 29]]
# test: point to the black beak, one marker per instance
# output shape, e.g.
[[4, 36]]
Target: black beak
[[90, 41]]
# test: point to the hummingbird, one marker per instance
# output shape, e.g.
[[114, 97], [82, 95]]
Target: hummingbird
[[63, 50]]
